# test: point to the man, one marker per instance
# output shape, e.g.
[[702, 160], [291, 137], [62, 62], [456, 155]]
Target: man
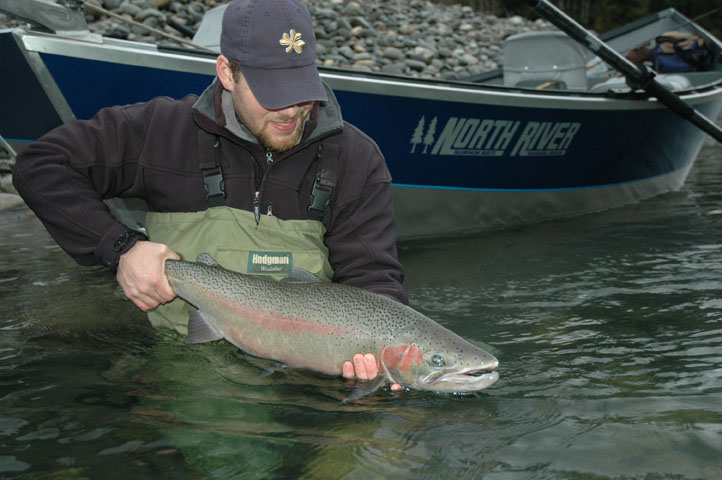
[[260, 166]]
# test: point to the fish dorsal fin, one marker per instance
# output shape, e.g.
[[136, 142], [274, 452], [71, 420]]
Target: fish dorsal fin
[[300, 275], [206, 259], [200, 330]]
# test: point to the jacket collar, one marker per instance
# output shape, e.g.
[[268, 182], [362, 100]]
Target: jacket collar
[[214, 112]]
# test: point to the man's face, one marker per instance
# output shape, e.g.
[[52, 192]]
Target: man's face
[[277, 130]]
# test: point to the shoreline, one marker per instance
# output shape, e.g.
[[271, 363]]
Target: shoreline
[[416, 38]]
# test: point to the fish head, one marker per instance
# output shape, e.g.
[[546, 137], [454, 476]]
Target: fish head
[[440, 362]]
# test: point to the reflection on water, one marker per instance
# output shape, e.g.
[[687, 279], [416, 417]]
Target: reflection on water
[[608, 328]]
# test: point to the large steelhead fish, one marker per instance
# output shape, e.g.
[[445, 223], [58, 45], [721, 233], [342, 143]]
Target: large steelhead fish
[[305, 323]]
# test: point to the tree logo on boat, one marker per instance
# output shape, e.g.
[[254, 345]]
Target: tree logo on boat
[[492, 138]]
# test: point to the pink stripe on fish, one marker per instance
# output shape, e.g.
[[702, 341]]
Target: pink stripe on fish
[[283, 323]]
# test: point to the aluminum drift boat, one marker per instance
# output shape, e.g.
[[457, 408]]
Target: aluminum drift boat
[[466, 156]]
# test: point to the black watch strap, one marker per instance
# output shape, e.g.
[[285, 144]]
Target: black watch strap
[[128, 237]]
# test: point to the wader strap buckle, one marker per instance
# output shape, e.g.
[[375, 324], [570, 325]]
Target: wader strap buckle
[[320, 198], [211, 168], [215, 192], [323, 185]]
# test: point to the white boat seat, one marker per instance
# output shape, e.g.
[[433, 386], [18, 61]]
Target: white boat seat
[[619, 85], [209, 32], [536, 59]]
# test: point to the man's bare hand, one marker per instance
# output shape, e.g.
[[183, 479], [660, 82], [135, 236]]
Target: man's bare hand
[[141, 274], [364, 367]]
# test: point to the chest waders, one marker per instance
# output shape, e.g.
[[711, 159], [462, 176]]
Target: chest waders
[[240, 240]]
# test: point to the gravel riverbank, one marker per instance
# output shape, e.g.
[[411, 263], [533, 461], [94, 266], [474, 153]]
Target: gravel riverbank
[[411, 37]]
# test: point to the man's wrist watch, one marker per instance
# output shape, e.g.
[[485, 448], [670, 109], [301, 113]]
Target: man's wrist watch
[[126, 239]]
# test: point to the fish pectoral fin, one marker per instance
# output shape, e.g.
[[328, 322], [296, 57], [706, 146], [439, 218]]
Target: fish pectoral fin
[[300, 275], [366, 387], [271, 369], [200, 330]]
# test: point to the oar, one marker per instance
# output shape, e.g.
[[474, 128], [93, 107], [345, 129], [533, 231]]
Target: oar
[[636, 77]]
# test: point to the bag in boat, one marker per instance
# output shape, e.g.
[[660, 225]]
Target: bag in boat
[[677, 52]]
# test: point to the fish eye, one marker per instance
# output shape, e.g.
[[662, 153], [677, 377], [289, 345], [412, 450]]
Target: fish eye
[[438, 360]]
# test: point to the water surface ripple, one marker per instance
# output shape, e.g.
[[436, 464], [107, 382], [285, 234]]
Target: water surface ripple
[[608, 328]]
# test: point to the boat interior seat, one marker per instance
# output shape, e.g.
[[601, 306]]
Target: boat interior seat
[[544, 60], [209, 32], [671, 81]]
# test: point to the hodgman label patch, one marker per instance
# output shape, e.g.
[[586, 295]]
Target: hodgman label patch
[[270, 262]]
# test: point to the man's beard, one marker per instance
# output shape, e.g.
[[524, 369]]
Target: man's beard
[[283, 145]]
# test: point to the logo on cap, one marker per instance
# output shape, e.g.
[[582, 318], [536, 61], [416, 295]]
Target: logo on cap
[[293, 41]]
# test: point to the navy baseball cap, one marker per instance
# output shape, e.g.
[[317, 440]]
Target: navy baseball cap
[[273, 43]]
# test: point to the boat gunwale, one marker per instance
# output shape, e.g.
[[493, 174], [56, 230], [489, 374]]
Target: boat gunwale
[[188, 60]]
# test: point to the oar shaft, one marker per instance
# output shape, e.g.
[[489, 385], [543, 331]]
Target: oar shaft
[[678, 106], [636, 77]]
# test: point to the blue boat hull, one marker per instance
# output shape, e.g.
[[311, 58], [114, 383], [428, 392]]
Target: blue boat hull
[[463, 157]]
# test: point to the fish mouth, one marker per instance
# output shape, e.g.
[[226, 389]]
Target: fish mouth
[[468, 380]]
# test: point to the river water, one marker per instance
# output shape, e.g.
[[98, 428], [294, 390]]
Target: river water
[[608, 328]]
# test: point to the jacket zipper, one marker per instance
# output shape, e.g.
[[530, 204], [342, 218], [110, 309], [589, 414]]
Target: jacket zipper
[[257, 191], [257, 194], [257, 207]]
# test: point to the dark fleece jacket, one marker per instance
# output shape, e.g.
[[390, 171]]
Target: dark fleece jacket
[[151, 151]]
